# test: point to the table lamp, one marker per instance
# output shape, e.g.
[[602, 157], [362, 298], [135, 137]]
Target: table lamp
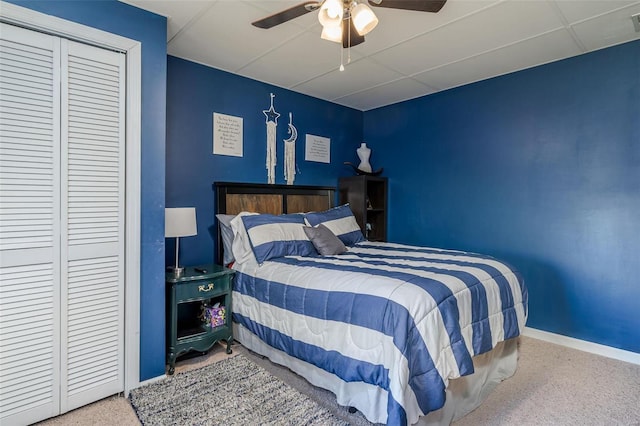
[[179, 222]]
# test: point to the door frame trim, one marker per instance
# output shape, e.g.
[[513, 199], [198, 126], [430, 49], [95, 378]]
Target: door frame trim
[[27, 18]]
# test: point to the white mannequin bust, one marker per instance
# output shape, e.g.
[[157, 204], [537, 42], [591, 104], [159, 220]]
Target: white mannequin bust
[[364, 153]]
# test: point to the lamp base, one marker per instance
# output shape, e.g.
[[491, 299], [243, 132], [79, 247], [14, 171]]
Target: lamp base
[[176, 271]]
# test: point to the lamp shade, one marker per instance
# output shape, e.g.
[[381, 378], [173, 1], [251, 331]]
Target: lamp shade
[[331, 13], [364, 19], [332, 33], [180, 222]]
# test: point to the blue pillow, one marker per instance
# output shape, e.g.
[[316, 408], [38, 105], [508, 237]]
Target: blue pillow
[[340, 221], [276, 236]]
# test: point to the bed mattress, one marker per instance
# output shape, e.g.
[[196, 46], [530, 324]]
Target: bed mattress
[[402, 319]]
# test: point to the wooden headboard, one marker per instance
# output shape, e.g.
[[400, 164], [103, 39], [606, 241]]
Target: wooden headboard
[[233, 198]]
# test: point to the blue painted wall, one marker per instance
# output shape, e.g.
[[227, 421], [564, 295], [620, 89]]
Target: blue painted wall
[[540, 168], [194, 93], [150, 30]]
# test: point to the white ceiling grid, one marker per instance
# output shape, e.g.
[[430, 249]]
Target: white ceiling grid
[[408, 55]]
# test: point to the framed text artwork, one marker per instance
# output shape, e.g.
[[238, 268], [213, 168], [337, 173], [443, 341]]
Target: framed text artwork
[[318, 149], [227, 135]]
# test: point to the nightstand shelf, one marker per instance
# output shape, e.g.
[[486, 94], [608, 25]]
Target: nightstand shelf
[[186, 296]]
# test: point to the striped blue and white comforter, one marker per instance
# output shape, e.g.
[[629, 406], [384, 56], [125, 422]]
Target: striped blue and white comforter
[[407, 319]]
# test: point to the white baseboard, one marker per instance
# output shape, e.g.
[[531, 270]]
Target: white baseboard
[[583, 345]]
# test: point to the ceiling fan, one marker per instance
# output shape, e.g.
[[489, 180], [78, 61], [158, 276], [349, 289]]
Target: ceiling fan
[[346, 21]]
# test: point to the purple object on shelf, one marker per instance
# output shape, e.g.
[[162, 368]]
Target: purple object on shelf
[[215, 317]]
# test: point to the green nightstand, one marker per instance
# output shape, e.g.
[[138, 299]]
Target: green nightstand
[[186, 296]]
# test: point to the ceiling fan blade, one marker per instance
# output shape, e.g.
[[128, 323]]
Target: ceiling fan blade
[[286, 15], [350, 36], [419, 5]]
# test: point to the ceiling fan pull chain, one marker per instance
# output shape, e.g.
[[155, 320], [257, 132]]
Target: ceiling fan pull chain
[[349, 36]]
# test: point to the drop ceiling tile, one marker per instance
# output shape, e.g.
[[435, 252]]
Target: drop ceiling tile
[[224, 37], [579, 10], [396, 91], [357, 76], [496, 26], [288, 65], [389, 32], [608, 30], [536, 51]]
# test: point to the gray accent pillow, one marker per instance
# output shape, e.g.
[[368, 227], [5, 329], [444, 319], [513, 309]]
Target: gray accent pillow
[[324, 240], [227, 237]]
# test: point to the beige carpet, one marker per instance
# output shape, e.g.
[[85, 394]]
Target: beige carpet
[[554, 385]]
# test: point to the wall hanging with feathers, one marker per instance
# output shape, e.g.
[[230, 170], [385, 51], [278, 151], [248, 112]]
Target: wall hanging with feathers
[[272, 122], [290, 153]]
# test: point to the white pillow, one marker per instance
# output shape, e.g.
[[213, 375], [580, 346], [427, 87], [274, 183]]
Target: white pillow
[[227, 237], [242, 250]]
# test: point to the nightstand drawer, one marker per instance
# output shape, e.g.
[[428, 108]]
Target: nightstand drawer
[[202, 289]]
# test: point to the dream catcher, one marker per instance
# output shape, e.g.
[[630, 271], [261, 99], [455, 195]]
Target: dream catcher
[[290, 153], [272, 123]]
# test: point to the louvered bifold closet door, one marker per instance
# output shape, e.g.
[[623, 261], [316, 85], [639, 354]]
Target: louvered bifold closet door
[[93, 166], [29, 226], [62, 163]]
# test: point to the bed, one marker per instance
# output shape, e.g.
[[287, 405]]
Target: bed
[[406, 335]]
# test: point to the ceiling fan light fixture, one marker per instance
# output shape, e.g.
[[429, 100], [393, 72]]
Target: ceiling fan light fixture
[[332, 33], [363, 18], [331, 13]]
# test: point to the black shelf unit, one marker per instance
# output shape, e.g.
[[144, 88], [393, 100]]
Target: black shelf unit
[[367, 197]]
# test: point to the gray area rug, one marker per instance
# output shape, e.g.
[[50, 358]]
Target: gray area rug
[[234, 391]]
